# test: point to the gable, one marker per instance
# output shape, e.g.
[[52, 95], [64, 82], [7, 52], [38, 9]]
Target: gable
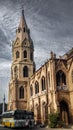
[[17, 42], [61, 65]]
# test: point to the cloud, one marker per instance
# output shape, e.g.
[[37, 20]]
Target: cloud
[[5, 68], [51, 28], [4, 83]]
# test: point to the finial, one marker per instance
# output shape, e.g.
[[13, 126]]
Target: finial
[[51, 53]]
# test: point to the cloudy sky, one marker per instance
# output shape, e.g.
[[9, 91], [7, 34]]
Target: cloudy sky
[[51, 28]]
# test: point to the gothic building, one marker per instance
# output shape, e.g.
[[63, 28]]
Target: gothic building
[[47, 90]]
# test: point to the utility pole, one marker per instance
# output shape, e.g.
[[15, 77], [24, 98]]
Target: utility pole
[[4, 103]]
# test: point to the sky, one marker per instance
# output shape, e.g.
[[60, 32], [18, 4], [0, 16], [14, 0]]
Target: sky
[[51, 29]]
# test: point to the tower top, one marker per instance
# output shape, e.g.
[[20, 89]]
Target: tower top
[[23, 13], [22, 23], [22, 31]]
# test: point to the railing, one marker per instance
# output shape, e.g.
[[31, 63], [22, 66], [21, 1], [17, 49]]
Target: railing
[[64, 87]]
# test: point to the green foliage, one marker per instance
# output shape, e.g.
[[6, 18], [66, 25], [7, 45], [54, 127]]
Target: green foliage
[[60, 123], [53, 119]]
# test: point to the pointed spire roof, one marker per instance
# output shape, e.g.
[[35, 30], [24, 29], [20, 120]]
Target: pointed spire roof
[[22, 23], [22, 31]]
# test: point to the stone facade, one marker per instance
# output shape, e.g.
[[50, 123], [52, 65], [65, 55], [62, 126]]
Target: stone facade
[[47, 90]]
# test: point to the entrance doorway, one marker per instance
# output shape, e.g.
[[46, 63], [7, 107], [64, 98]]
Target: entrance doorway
[[64, 112]]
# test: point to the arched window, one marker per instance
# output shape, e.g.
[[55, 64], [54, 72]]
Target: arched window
[[17, 54], [25, 54], [25, 71], [31, 91], [36, 87], [15, 71], [60, 78], [21, 92], [72, 75], [43, 83]]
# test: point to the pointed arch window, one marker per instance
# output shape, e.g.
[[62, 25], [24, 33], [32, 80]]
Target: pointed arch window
[[17, 54], [72, 75], [43, 83], [15, 69], [25, 71], [31, 90], [36, 87], [60, 78], [21, 92], [25, 54]]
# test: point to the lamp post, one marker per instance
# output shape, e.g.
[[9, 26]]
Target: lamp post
[[4, 103]]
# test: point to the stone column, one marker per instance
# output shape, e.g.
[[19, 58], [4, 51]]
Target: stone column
[[44, 113], [36, 113]]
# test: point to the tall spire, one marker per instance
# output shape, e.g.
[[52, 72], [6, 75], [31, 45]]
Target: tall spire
[[22, 11], [22, 31]]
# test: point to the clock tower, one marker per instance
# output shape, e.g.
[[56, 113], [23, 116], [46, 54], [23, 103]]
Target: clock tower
[[22, 67]]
